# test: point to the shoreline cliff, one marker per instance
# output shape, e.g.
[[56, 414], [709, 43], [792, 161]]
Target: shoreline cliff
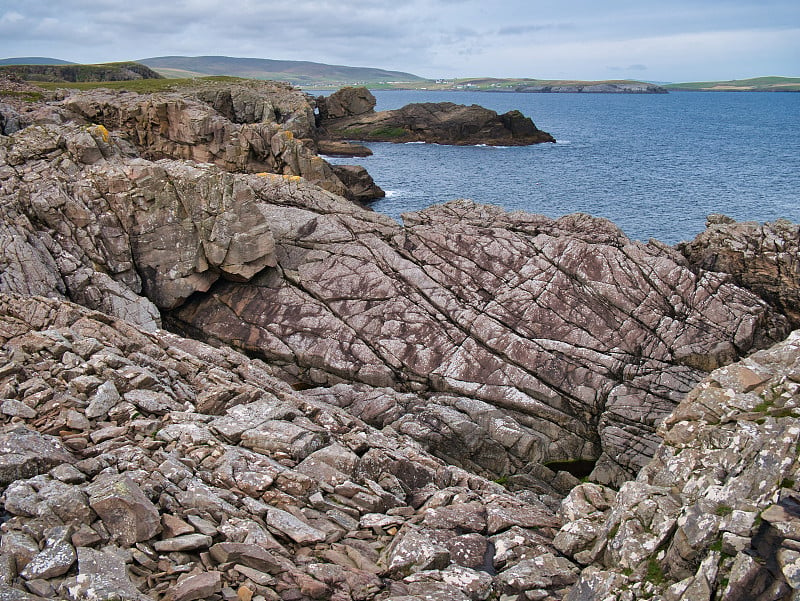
[[349, 408]]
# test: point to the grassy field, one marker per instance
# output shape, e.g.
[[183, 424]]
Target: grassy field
[[143, 86], [755, 84]]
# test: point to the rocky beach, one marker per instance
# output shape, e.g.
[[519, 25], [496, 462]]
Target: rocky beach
[[224, 378]]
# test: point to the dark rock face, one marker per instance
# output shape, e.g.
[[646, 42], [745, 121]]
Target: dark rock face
[[442, 122], [347, 102], [762, 258]]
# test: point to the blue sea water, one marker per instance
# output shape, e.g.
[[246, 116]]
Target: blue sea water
[[656, 165]]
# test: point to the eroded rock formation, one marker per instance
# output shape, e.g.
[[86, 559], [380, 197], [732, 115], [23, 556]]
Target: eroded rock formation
[[714, 514], [764, 258], [392, 369], [349, 115]]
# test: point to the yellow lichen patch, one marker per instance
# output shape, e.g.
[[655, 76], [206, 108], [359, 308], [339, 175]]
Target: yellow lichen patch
[[100, 129], [292, 178], [289, 135]]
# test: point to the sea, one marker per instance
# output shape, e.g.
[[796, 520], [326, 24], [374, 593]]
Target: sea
[[654, 164]]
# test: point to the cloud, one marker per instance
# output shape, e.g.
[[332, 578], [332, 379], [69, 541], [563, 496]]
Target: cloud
[[433, 38]]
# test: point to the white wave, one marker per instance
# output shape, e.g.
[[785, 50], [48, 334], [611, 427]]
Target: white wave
[[565, 142], [392, 193]]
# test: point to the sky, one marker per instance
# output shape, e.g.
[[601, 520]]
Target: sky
[[664, 40]]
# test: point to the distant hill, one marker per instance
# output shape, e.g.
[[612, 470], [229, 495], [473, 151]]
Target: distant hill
[[70, 72], [755, 84], [300, 73], [33, 60]]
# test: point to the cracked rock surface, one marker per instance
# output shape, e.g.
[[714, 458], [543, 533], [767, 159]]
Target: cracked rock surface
[[715, 514]]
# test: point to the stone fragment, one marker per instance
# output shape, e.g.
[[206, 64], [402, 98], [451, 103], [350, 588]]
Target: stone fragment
[[413, 550], [14, 408], [198, 586], [102, 575], [542, 572], [186, 542], [55, 559], [126, 512], [104, 399], [296, 529], [250, 555], [25, 453]]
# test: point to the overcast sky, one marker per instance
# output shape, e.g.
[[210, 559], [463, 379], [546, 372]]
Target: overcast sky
[[664, 40]]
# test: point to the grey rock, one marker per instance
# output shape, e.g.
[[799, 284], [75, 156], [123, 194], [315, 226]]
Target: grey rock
[[14, 408], [293, 527], [125, 510], [104, 399], [199, 586], [185, 542], [102, 575], [25, 453], [55, 559]]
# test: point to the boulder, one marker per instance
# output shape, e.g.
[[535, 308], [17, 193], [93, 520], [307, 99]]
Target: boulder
[[126, 512], [346, 102]]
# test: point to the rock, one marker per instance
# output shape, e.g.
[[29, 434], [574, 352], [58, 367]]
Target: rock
[[253, 556], [423, 331], [728, 452], [25, 453], [360, 185], [349, 115], [104, 399], [761, 258], [413, 550], [55, 559], [14, 408], [199, 586], [346, 102], [293, 527], [102, 575], [126, 512], [185, 542], [342, 149], [8, 593], [543, 572]]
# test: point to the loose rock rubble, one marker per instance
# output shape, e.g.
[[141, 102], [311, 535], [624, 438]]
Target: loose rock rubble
[[156, 467], [716, 513]]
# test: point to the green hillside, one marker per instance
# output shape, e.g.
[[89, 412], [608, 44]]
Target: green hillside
[[300, 73], [754, 84], [80, 73], [33, 60]]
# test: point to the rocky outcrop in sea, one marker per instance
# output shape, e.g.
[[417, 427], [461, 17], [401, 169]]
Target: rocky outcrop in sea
[[349, 115], [350, 408]]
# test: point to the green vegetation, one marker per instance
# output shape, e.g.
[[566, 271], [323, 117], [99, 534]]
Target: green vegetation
[[723, 510], [28, 96], [81, 73], [655, 574], [300, 73], [787, 483], [755, 84], [388, 132], [142, 86]]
